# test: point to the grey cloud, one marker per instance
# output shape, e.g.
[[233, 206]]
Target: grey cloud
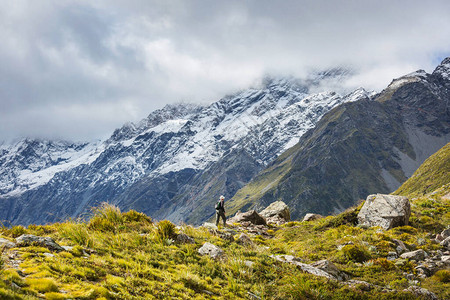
[[79, 69]]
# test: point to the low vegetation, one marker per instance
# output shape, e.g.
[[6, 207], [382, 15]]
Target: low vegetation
[[126, 255]]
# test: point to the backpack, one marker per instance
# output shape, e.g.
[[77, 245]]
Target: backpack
[[218, 205]]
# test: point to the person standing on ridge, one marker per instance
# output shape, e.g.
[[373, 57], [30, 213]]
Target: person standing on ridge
[[220, 211]]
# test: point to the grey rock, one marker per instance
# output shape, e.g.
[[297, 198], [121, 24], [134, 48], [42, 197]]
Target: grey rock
[[386, 211], [445, 259], [421, 241], [244, 239], [276, 213], [311, 217], [392, 255], [250, 216], [49, 255], [7, 244], [414, 255], [400, 246], [363, 285], [211, 250], [421, 292], [446, 243], [330, 268], [304, 267], [185, 239], [249, 263], [209, 225], [47, 242], [445, 233], [67, 248]]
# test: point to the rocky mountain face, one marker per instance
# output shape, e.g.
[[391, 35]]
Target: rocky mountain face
[[173, 164], [358, 148]]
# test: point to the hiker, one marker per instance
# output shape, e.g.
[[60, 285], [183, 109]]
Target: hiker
[[220, 211]]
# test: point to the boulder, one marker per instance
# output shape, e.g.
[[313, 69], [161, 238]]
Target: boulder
[[276, 213], [311, 217], [386, 211], [47, 242], [7, 244], [250, 216], [185, 239], [330, 268], [416, 255], [211, 250]]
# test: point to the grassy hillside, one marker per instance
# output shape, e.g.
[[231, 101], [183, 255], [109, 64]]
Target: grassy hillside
[[432, 174], [128, 256]]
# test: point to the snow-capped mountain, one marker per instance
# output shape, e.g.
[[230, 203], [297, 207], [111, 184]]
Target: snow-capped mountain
[[151, 166]]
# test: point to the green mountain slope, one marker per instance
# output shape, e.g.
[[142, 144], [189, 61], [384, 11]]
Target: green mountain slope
[[356, 149], [433, 174]]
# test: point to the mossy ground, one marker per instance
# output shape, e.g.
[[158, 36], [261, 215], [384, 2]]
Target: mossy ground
[[127, 256]]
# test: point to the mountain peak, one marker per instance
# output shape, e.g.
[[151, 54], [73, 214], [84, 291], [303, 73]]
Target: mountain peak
[[443, 70]]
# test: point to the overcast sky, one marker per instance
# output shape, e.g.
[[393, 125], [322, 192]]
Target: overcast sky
[[80, 69]]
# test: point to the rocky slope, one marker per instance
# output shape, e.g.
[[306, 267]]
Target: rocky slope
[[172, 164], [358, 148]]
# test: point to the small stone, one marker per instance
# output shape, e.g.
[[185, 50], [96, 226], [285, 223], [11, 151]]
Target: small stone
[[446, 243], [7, 244], [249, 263], [445, 259], [421, 292], [209, 225], [244, 239], [445, 233], [47, 242], [400, 246], [311, 217], [421, 241], [392, 255], [67, 248], [49, 255], [330, 268], [185, 239], [414, 255], [212, 250]]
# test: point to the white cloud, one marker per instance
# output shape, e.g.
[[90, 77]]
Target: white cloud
[[80, 68]]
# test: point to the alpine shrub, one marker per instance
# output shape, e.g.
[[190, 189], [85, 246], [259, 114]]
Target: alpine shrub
[[166, 230]]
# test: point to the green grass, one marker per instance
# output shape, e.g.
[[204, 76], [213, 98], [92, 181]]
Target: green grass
[[119, 255]]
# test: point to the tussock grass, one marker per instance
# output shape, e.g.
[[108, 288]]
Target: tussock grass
[[120, 255]]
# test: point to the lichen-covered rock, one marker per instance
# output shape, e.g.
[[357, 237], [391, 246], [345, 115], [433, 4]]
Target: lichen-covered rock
[[47, 242], [330, 268], [7, 244], [244, 239], [446, 243], [276, 213], [211, 250], [185, 239], [421, 292], [250, 216], [311, 217], [304, 267], [386, 211], [416, 255]]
